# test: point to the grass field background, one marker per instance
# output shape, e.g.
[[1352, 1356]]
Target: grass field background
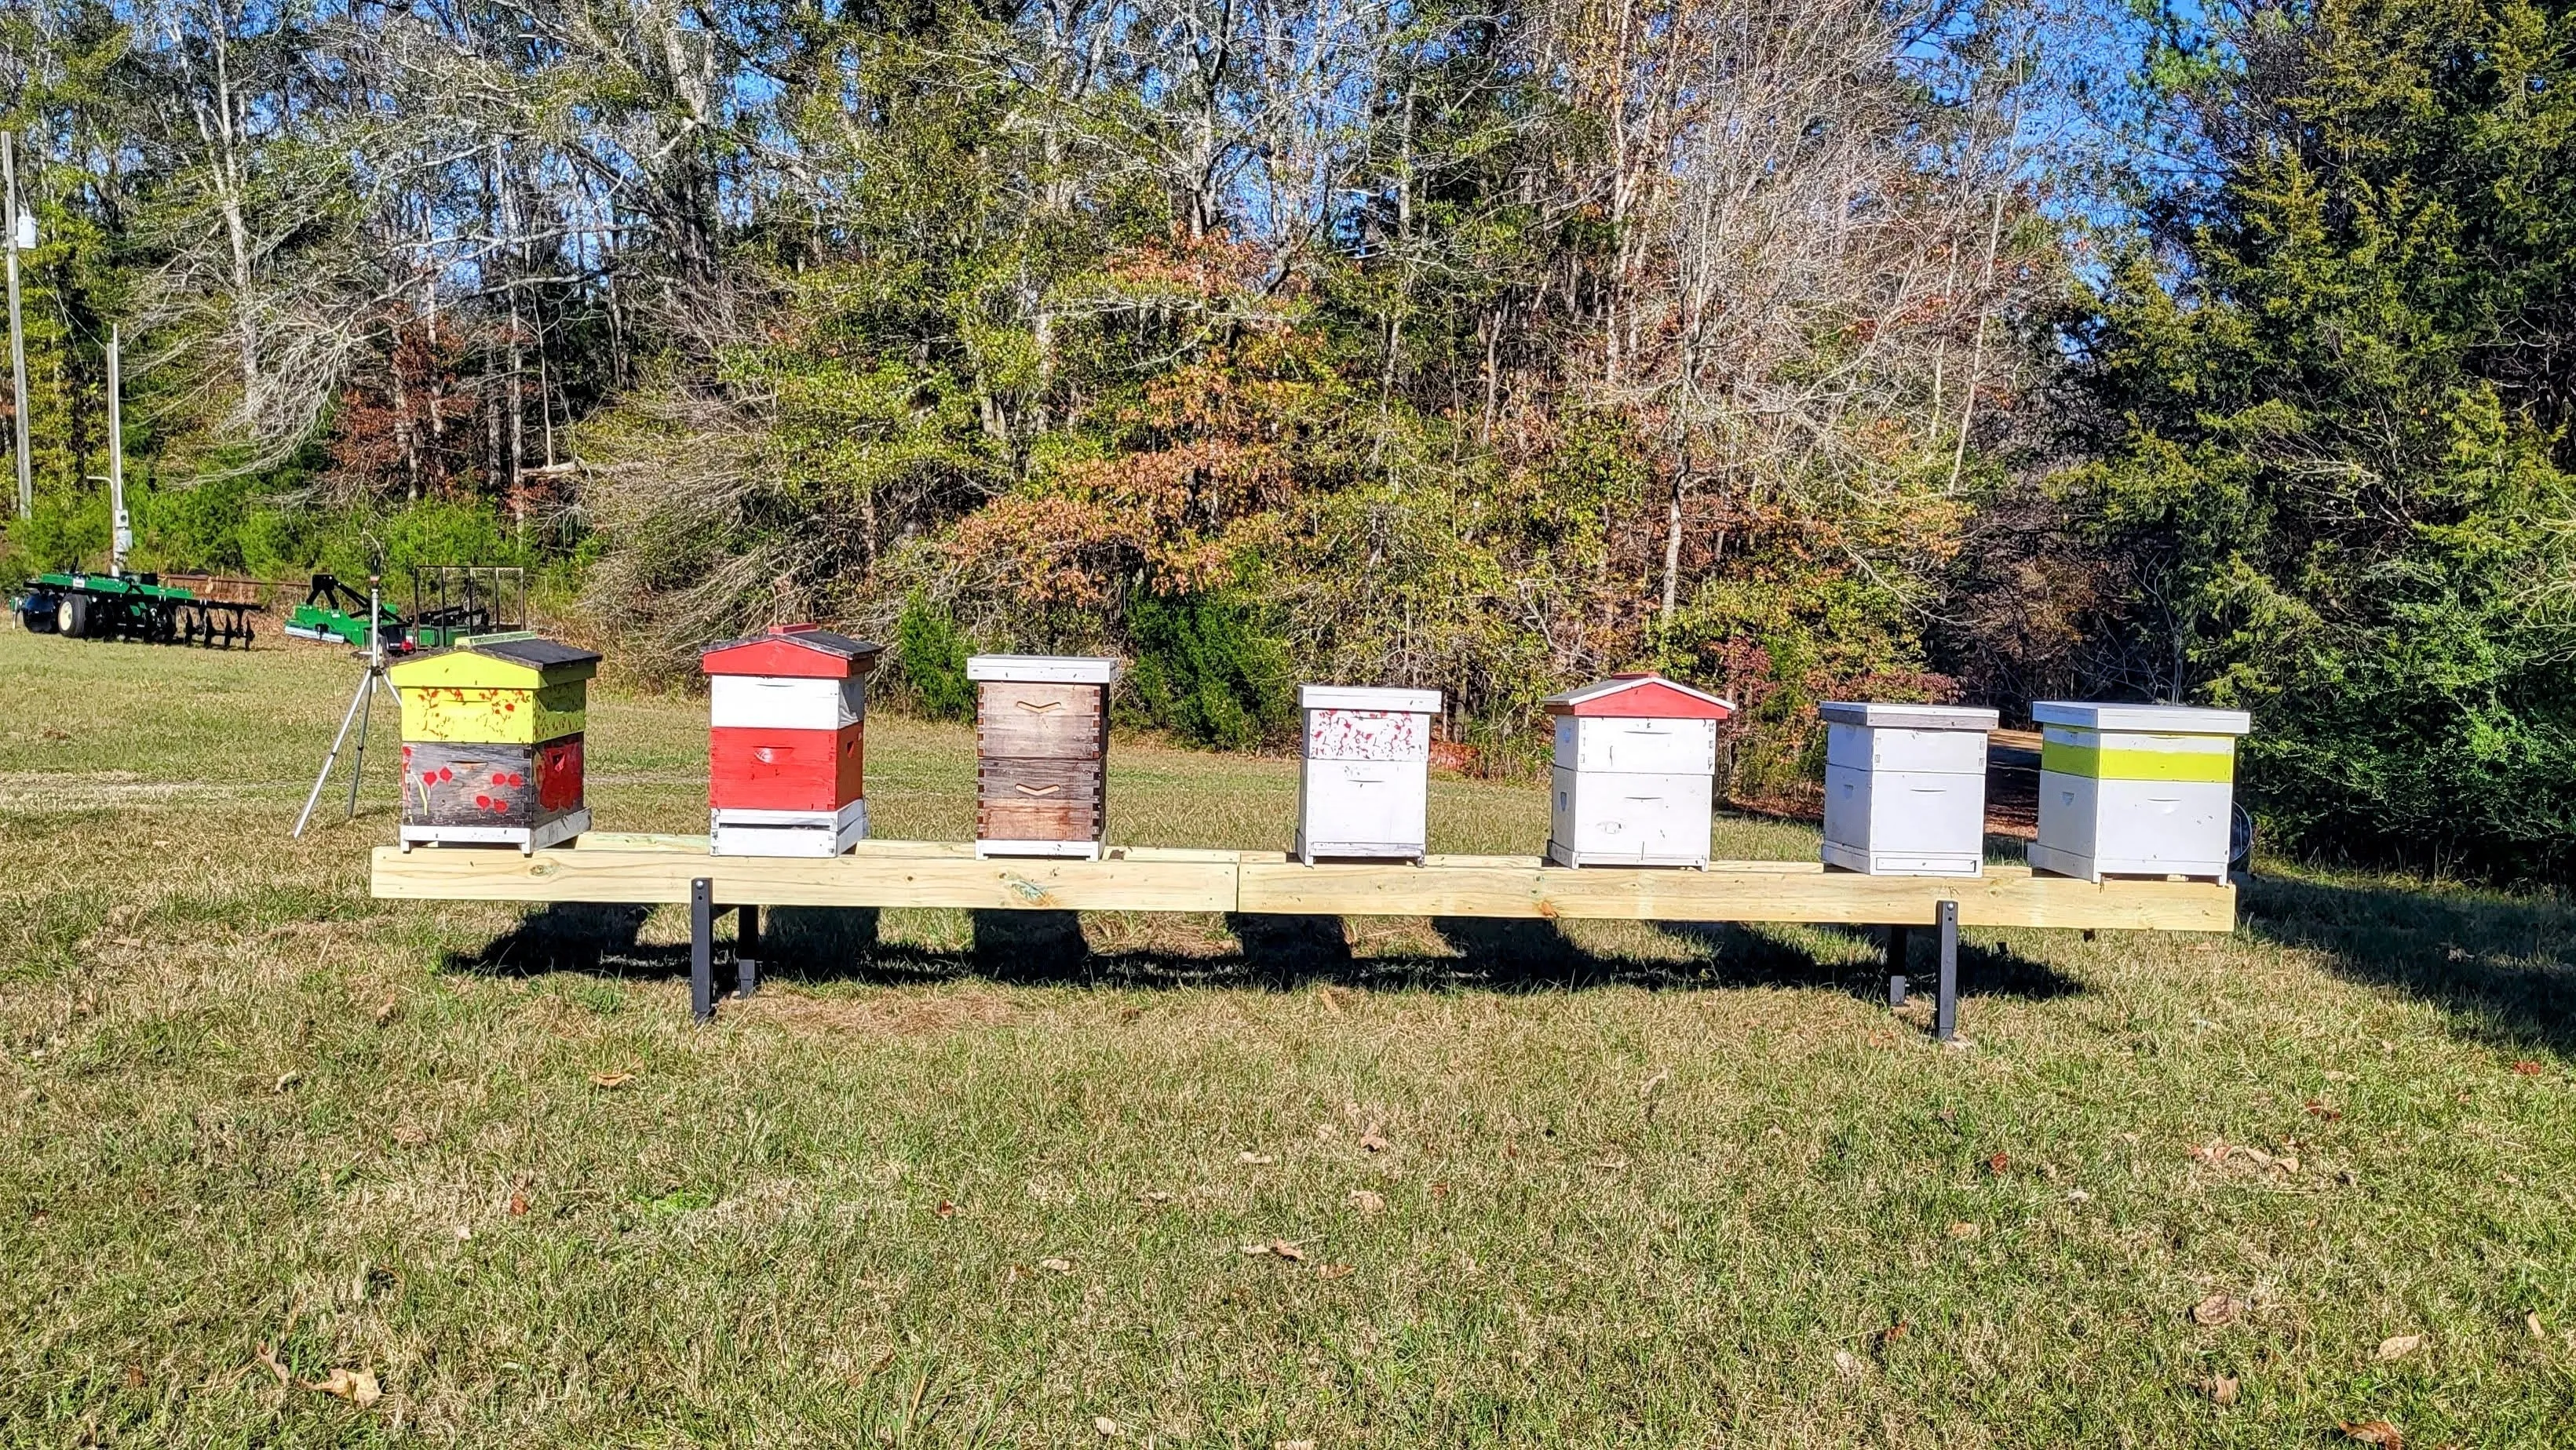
[[950, 1180]]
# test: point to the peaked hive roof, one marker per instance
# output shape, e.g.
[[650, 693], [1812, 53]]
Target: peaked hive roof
[[797, 650], [1639, 695], [498, 661]]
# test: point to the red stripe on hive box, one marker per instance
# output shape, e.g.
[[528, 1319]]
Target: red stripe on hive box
[[784, 770]]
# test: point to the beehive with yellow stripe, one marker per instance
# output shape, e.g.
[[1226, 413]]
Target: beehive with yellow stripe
[[492, 742], [2135, 790]]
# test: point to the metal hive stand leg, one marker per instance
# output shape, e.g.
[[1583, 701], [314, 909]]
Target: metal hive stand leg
[[1945, 1009], [1898, 939], [746, 950], [702, 949]]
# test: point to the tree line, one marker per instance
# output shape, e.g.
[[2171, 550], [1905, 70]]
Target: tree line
[[1988, 349]]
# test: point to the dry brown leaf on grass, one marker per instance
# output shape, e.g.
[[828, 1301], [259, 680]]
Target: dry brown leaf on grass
[[287, 1080], [1372, 1141], [1661, 1077], [410, 1135], [945, 1209], [1440, 1190], [1893, 1333], [2526, 1068], [1367, 1202], [1155, 1195], [2000, 1162], [267, 1360], [1104, 1424], [357, 1386], [1056, 1266], [2319, 1108], [1287, 1250], [2531, 1321], [2221, 1389], [1964, 1230], [1257, 1160], [2374, 1432], [1847, 1364], [2397, 1346], [1333, 1271], [518, 1205], [611, 1079], [2217, 1309], [386, 1010]]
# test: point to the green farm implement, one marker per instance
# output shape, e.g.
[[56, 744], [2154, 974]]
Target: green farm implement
[[131, 606]]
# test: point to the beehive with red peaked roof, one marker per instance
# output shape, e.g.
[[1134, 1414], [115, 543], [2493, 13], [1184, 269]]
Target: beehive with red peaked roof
[[786, 748], [1635, 772]]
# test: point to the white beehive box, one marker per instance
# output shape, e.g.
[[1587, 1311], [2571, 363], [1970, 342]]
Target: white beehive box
[[1635, 773], [1366, 787], [2135, 790], [1905, 789], [787, 833]]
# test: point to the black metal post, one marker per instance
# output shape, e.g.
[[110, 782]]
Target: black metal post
[[702, 948], [1945, 1008], [746, 950], [1898, 939]]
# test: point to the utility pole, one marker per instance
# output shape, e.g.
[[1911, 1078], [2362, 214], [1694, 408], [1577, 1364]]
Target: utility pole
[[17, 333], [121, 528]]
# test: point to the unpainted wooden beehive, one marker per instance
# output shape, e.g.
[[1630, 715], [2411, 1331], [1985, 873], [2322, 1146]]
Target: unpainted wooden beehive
[[1042, 754]]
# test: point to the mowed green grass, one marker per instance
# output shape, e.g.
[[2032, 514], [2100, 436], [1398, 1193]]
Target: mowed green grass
[[947, 1182]]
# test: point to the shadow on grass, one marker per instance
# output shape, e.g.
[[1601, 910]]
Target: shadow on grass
[[575, 936], [2505, 968], [1276, 953]]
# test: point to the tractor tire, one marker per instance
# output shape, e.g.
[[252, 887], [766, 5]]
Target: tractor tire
[[36, 614], [71, 617]]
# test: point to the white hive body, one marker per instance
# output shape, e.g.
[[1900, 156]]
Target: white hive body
[[1635, 773], [1364, 792], [763, 702], [1905, 789], [2135, 790]]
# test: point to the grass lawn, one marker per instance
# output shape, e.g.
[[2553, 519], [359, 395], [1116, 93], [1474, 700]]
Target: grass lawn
[[950, 1181]]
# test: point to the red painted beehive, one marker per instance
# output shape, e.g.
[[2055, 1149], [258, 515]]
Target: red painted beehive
[[787, 712]]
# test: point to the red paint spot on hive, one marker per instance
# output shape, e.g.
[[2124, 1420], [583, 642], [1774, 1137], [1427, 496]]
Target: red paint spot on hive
[[484, 801]]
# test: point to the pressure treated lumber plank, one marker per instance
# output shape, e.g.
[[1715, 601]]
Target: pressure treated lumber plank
[[625, 867], [1730, 891], [1158, 881]]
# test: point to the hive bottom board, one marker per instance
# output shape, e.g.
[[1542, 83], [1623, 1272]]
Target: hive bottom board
[[529, 839], [1558, 853], [786, 833], [1068, 850], [1311, 852], [2057, 862], [1899, 863]]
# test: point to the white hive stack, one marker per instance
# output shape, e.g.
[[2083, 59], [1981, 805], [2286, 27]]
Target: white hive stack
[[2135, 790], [1905, 789], [1365, 788], [1635, 773]]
